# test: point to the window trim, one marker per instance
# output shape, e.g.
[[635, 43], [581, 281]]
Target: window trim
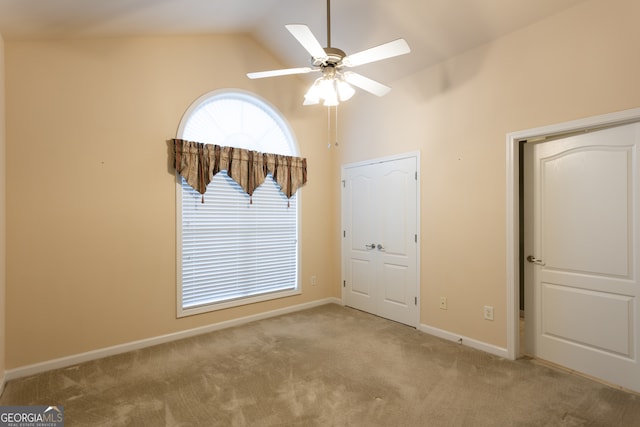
[[278, 117]]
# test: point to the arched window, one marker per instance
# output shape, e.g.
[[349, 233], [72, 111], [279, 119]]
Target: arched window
[[231, 250]]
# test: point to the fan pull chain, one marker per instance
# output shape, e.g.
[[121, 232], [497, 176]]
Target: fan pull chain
[[336, 126], [335, 134], [328, 128]]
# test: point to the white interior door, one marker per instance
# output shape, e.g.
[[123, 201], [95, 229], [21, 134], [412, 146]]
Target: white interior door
[[380, 239], [582, 236]]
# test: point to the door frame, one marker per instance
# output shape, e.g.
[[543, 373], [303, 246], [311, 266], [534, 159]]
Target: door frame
[[513, 260], [411, 154]]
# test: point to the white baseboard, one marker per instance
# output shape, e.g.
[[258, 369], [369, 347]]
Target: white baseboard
[[460, 339], [64, 362]]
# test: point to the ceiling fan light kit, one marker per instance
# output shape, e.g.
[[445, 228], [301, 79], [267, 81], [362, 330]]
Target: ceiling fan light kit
[[336, 85], [331, 87]]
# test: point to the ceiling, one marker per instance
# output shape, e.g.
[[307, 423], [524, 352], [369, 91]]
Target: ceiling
[[435, 29]]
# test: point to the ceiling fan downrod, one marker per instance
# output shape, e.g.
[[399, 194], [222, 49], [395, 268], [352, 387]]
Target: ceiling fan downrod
[[328, 23]]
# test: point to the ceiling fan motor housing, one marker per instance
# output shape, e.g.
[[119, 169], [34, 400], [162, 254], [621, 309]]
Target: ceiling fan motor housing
[[334, 58]]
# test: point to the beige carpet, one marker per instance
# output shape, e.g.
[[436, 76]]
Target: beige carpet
[[328, 366]]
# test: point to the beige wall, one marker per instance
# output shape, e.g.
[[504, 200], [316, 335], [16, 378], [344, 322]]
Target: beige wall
[[580, 63], [3, 268], [91, 193]]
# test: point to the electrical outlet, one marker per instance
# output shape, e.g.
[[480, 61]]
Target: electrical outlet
[[488, 312], [314, 280], [443, 303]]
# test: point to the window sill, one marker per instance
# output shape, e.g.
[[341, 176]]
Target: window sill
[[185, 312]]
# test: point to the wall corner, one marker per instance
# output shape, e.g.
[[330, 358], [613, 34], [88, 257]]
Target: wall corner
[[3, 210]]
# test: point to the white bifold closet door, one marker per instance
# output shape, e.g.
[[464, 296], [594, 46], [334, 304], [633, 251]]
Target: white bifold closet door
[[380, 238]]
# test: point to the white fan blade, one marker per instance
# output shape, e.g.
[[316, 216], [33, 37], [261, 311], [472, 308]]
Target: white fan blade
[[366, 83], [283, 72], [384, 51], [305, 37]]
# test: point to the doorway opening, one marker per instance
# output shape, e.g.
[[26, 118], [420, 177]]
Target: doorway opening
[[515, 209]]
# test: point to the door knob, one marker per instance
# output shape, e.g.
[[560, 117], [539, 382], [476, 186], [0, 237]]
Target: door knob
[[371, 246], [380, 247], [535, 260]]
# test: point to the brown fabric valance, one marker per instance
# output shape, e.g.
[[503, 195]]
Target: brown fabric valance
[[198, 163]]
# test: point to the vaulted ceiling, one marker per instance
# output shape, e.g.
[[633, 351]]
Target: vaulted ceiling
[[435, 29]]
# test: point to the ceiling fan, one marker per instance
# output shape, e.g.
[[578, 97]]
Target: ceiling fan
[[335, 83]]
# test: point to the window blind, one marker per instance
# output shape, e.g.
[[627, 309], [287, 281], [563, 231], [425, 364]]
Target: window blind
[[232, 249]]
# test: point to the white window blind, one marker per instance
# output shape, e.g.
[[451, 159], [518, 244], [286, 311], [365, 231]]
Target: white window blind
[[231, 251]]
